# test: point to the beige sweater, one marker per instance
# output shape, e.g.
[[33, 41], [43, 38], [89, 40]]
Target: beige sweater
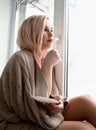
[[20, 81]]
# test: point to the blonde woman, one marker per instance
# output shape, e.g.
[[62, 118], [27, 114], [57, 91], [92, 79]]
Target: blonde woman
[[30, 73]]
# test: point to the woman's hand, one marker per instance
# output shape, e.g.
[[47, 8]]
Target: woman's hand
[[55, 108], [52, 58]]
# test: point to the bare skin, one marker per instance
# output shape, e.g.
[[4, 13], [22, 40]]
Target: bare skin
[[75, 125], [82, 108], [80, 114]]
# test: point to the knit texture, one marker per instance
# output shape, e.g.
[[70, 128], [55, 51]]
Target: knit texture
[[20, 81]]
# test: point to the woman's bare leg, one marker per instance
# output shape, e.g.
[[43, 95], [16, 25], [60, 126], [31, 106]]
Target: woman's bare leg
[[81, 108], [75, 125]]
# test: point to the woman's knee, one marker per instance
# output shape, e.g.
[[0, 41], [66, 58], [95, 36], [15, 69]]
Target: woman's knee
[[78, 108], [82, 99], [87, 97], [87, 100]]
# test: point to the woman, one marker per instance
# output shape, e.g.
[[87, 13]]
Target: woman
[[30, 72]]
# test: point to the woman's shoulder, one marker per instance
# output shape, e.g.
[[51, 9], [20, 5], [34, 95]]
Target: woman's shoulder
[[21, 58], [21, 55]]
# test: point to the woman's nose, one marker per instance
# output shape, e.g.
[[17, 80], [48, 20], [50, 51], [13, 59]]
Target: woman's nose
[[50, 33]]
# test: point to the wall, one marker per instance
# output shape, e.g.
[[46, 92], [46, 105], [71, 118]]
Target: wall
[[6, 27]]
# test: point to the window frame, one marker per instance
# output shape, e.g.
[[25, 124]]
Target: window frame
[[61, 22]]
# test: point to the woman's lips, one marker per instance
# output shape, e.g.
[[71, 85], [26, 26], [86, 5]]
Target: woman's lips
[[50, 40]]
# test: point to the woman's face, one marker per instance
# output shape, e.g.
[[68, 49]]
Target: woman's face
[[47, 42]]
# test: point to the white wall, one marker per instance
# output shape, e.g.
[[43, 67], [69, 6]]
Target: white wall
[[6, 11]]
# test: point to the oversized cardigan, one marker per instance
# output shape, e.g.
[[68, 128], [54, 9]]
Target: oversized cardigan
[[20, 81]]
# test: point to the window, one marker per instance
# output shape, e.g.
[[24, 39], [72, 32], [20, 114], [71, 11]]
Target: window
[[82, 48]]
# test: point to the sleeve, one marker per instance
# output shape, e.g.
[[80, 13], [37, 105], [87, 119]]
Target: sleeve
[[17, 93]]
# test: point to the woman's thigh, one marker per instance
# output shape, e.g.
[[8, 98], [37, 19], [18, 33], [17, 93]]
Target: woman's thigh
[[75, 125], [81, 108]]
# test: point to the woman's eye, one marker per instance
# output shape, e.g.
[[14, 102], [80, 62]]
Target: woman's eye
[[46, 29], [52, 30]]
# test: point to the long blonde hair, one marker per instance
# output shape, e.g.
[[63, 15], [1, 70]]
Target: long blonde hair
[[30, 33]]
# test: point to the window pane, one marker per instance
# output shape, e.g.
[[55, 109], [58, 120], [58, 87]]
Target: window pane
[[40, 7], [82, 47]]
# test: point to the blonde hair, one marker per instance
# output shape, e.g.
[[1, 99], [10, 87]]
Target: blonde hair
[[30, 33]]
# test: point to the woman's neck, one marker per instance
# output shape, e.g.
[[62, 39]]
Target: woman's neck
[[39, 60]]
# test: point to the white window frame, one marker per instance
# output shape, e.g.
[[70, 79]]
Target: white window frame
[[61, 24]]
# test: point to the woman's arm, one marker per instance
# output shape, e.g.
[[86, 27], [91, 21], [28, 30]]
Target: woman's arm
[[51, 59]]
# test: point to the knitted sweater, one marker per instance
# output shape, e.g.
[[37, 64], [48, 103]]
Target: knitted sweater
[[20, 81]]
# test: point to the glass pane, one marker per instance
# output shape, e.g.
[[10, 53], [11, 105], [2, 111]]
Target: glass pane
[[82, 47], [40, 7]]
